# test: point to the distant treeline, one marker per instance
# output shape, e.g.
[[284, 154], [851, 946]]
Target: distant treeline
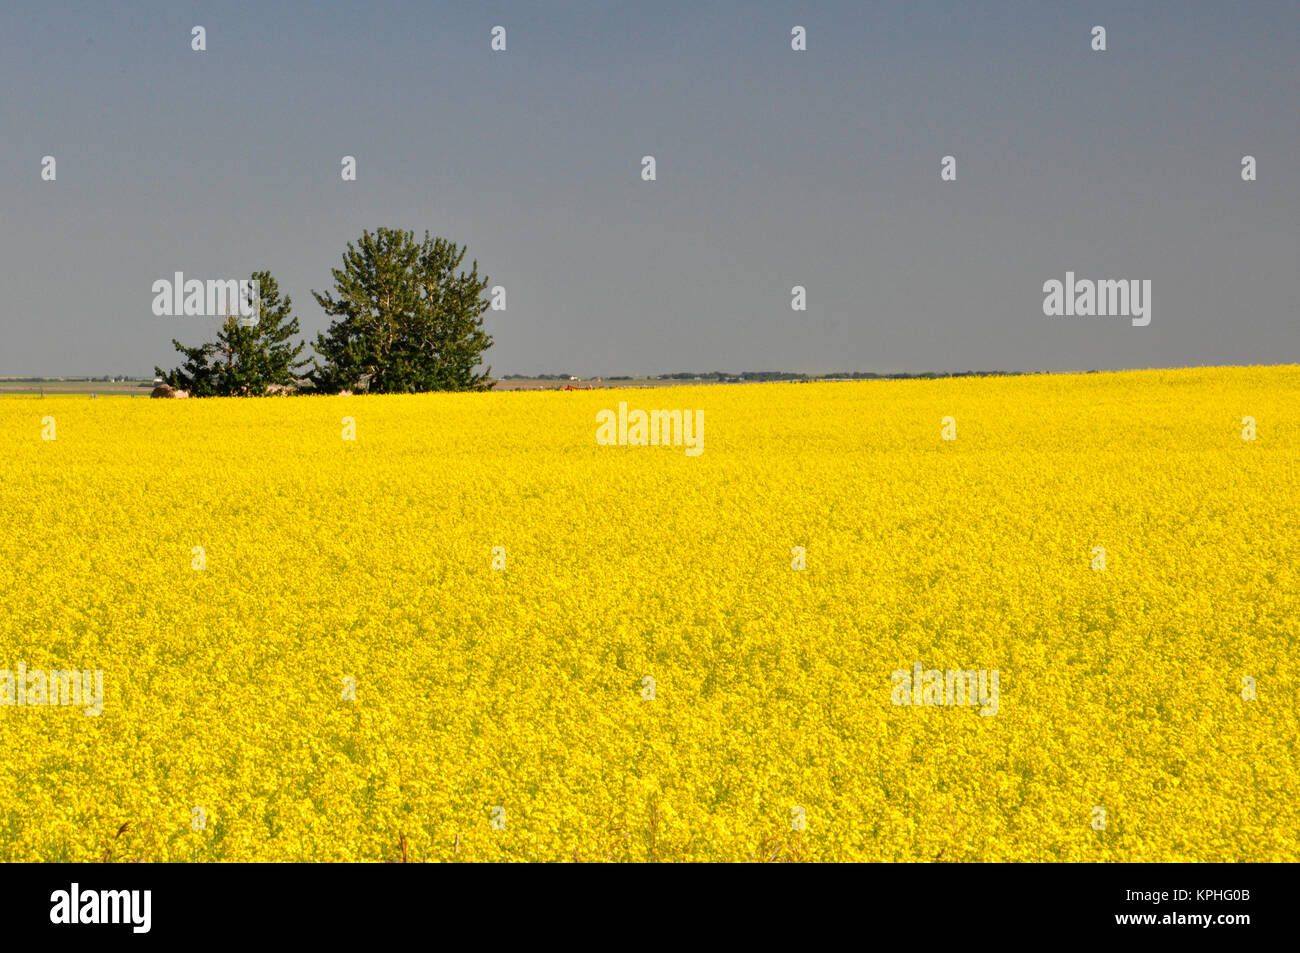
[[930, 375]]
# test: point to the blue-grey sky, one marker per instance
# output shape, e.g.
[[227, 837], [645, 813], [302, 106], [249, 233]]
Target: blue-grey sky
[[775, 169]]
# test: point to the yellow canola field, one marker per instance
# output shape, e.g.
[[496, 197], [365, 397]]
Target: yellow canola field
[[649, 677]]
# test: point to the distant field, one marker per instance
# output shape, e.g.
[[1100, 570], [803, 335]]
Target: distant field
[[106, 388], [137, 388], [533, 383], [473, 632]]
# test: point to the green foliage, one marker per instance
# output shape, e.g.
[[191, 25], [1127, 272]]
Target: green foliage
[[406, 320], [246, 359]]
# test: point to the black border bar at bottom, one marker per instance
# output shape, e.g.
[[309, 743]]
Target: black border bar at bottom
[[944, 903]]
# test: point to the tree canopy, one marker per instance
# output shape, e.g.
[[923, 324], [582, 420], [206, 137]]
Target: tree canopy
[[407, 320]]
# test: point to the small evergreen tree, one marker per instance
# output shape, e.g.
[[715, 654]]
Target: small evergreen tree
[[196, 375], [246, 359], [407, 320]]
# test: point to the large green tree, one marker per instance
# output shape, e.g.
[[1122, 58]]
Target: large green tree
[[407, 320], [247, 358]]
